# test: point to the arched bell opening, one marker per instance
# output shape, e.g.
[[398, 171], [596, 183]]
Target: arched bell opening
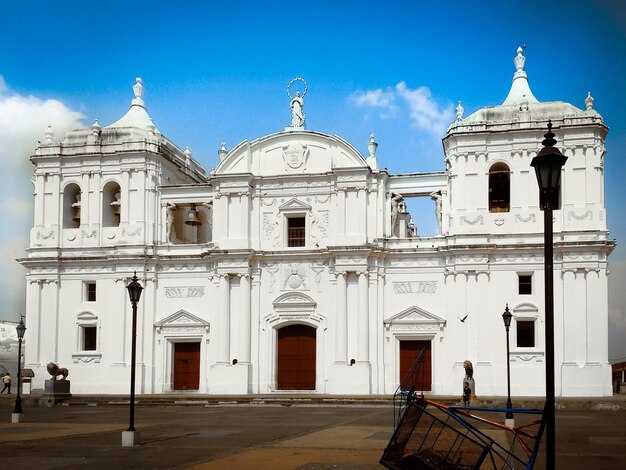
[[111, 205], [72, 206]]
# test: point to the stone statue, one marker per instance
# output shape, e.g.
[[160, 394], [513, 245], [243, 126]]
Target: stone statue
[[54, 370], [469, 370], [411, 229], [397, 206], [297, 114], [169, 220], [469, 378], [436, 196]]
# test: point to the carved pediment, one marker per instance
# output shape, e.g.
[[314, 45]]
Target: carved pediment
[[294, 301], [294, 205], [182, 320], [417, 317]]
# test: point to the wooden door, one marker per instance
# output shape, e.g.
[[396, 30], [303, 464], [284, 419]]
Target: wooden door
[[296, 358], [186, 366], [409, 351]]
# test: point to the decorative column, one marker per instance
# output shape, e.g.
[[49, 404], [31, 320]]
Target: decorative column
[[341, 212], [244, 319], [341, 339], [363, 319], [223, 353], [244, 207]]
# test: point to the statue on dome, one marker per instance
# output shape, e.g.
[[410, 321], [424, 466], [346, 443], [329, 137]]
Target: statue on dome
[[297, 103], [297, 115]]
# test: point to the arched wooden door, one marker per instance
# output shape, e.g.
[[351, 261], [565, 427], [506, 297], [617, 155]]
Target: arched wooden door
[[296, 358]]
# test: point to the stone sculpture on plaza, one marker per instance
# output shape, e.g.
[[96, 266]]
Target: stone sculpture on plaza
[[54, 370], [469, 377]]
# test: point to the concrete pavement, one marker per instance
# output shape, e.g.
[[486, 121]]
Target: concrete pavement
[[291, 433]]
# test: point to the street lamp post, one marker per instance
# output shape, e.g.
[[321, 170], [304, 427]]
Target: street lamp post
[[548, 164], [131, 436], [17, 412], [509, 419]]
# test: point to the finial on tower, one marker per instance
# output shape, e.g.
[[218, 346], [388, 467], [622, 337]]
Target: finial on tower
[[49, 134], [187, 152], [372, 145], [95, 128], [222, 152], [589, 101], [139, 91], [459, 112], [520, 59]]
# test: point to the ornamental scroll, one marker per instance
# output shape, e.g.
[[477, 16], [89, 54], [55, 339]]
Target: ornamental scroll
[[177, 292], [415, 287]]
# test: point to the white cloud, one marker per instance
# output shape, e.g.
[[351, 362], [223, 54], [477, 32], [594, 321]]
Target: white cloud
[[17, 208], [379, 98], [423, 111], [23, 121], [12, 284]]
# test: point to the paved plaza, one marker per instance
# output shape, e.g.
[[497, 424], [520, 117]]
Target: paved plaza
[[254, 436]]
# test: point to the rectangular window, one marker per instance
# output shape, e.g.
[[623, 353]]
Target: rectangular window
[[90, 291], [89, 338], [525, 334], [525, 284], [295, 231]]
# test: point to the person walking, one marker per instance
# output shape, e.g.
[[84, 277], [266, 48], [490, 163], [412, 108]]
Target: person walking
[[467, 393], [7, 383]]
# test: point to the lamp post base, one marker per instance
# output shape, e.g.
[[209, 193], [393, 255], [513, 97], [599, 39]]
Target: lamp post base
[[16, 417], [510, 422], [130, 438]]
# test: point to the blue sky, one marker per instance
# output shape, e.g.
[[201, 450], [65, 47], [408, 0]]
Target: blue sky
[[218, 70]]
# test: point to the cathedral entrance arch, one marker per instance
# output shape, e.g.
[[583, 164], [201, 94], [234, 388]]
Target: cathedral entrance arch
[[293, 340], [296, 354], [414, 330]]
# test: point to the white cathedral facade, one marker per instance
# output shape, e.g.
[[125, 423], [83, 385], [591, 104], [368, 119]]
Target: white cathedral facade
[[295, 266]]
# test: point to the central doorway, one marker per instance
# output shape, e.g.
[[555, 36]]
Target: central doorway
[[296, 358], [409, 351], [186, 366]]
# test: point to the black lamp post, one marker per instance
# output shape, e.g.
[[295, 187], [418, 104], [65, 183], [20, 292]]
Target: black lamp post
[[506, 317], [134, 292], [548, 164], [21, 329]]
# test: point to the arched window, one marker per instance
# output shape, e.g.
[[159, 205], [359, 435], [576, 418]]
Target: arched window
[[71, 206], [111, 205], [499, 188]]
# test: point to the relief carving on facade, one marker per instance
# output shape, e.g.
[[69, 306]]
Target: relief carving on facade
[[524, 220], [415, 287], [295, 156], [479, 218], [86, 234], [295, 278], [184, 292], [272, 270], [45, 234], [132, 231], [271, 232], [587, 215], [319, 226]]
